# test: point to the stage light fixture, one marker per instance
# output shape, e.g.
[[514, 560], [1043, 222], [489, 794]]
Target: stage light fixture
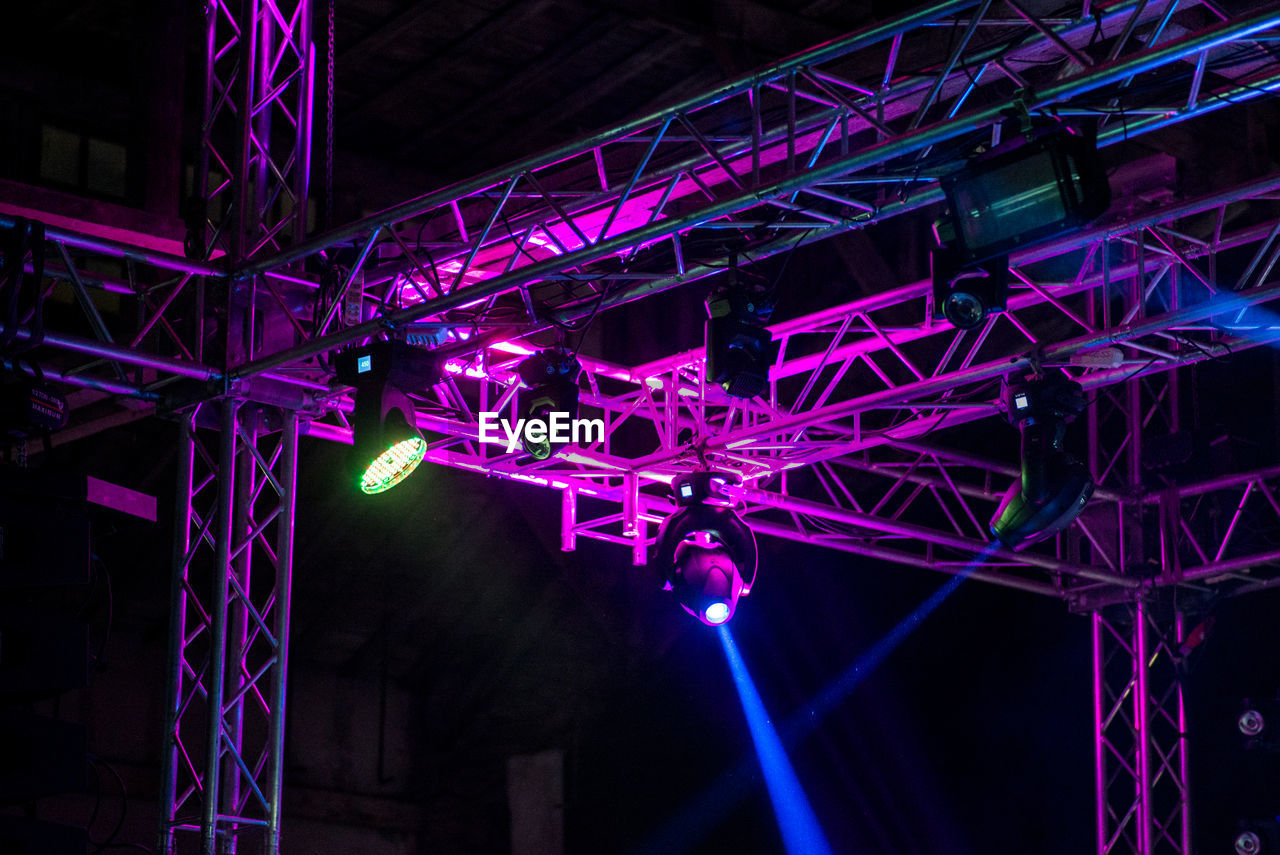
[[388, 447], [551, 381], [1054, 487], [1257, 724], [966, 295], [1037, 187], [1251, 723], [1257, 837], [1043, 184], [706, 554], [739, 348]]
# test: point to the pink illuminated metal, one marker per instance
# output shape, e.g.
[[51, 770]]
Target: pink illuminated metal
[[851, 449]]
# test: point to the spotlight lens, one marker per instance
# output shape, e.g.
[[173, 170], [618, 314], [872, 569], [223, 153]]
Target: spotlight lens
[[1248, 843], [393, 465], [1251, 723], [717, 613], [964, 310]]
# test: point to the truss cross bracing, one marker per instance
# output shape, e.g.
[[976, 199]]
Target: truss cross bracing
[[229, 636], [848, 448]]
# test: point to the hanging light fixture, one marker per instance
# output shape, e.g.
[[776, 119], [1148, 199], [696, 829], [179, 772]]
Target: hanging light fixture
[[706, 554], [739, 348], [550, 378], [1044, 183], [1048, 181], [1054, 487], [387, 444]]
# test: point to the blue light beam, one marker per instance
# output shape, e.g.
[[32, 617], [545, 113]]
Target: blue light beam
[[682, 831], [801, 833], [805, 720]]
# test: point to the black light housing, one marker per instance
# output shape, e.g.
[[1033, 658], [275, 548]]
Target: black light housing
[[1009, 198], [388, 447], [1054, 487], [739, 348], [551, 381], [706, 554], [1025, 193]]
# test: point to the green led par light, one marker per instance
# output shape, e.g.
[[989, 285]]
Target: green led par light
[[388, 447]]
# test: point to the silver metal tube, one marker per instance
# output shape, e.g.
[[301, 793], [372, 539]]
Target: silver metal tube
[[1142, 730], [82, 382], [218, 625], [116, 249], [1184, 760], [1099, 734], [119, 353], [177, 635], [284, 588]]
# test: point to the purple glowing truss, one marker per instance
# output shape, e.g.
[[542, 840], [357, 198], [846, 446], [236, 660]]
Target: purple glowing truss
[[860, 401]]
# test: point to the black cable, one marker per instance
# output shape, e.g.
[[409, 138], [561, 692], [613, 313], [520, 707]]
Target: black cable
[[85, 610], [97, 796], [772, 291], [1152, 361], [124, 806]]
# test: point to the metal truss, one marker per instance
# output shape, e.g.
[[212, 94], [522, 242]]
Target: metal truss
[[1140, 728], [816, 145], [233, 554], [849, 449], [255, 145], [229, 634], [627, 212]]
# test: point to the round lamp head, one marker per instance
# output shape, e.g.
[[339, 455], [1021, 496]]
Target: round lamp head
[[387, 445], [1251, 723], [964, 310], [707, 582], [1248, 843], [707, 557], [717, 613]]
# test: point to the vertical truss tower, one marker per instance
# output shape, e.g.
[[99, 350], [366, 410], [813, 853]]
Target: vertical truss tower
[[233, 553]]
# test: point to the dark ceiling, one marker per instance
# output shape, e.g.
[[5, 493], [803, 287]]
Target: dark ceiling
[[973, 738]]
